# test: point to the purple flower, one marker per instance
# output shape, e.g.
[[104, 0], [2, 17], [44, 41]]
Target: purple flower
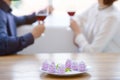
[[82, 67], [52, 68], [74, 66], [68, 64], [61, 69], [45, 66]]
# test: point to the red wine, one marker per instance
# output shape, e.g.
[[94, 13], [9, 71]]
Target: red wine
[[71, 13], [41, 17]]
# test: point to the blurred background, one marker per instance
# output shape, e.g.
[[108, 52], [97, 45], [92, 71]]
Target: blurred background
[[57, 33], [22, 7]]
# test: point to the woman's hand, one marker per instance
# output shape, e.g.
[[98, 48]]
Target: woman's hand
[[74, 26], [75, 42]]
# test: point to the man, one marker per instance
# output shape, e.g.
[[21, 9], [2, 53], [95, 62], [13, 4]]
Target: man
[[9, 42]]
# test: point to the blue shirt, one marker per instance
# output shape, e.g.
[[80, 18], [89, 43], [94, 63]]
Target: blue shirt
[[9, 42]]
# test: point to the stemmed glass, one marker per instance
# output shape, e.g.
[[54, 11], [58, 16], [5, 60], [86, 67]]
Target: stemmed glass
[[41, 16], [71, 13]]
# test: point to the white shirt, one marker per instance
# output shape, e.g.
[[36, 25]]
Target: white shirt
[[99, 30]]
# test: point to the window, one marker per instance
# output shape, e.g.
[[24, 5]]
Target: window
[[60, 6]]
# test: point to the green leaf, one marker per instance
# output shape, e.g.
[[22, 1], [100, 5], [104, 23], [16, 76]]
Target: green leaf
[[67, 70], [57, 66]]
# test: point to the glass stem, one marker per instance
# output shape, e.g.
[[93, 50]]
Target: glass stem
[[40, 22]]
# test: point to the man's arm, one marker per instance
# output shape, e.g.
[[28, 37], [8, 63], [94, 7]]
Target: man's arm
[[11, 45], [28, 19]]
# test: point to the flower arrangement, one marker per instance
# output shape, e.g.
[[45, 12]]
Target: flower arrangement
[[63, 68]]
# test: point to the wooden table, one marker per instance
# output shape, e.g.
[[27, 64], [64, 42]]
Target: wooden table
[[26, 67]]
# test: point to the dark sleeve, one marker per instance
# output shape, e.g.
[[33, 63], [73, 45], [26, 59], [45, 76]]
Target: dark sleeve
[[11, 45], [28, 19]]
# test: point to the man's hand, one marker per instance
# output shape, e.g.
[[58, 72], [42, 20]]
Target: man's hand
[[38, 30], [48, 8]]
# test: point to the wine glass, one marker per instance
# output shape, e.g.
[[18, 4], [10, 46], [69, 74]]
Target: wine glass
[[71, 13], [41, 16]]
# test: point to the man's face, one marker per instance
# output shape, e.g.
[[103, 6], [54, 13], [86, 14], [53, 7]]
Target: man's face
[[15, 0], [9, 1]]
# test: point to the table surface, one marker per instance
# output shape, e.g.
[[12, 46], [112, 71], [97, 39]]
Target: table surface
[[26, 67]]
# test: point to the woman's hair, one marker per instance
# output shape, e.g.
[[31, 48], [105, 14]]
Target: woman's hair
[[109, 2]]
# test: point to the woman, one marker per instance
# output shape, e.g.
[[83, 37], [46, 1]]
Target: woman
[[96, 30]]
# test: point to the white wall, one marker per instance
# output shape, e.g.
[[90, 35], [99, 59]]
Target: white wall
[[60, 6], [57, 38]]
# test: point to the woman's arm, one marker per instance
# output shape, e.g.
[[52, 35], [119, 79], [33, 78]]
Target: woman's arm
[[101, 39]]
